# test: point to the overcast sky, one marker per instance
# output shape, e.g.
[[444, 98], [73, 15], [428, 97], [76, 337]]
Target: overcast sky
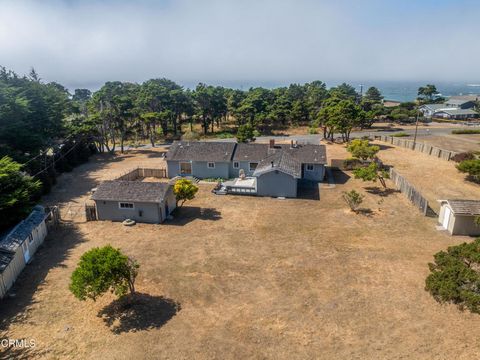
[[85, 43]]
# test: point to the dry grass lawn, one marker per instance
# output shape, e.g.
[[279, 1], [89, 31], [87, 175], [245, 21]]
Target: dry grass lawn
[[244, 277]]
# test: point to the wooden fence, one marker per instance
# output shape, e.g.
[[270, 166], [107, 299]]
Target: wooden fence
[[90, 212], [139, 173], [52, 218], [410, 192], [418, 146]]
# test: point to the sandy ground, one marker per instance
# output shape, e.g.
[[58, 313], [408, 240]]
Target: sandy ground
[[457, 143], [244, 277]]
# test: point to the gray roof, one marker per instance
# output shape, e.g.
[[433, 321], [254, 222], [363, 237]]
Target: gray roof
[[5, 258], [132, 191], [457, 102], [304, 153], [465, 98], [201, 151], [434, 106], [17, 236], [281, 161], [465, 207], [250, 152], [458, 111], [307, 153]]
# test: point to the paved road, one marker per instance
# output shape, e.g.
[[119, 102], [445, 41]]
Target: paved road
[[315, 139]]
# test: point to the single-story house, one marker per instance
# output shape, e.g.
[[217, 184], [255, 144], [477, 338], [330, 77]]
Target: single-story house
[[271, 169], [146, 202], [456, 108], [18, 247], [458, 216]]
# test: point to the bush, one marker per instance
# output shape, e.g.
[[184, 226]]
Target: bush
[[470, 167], [353, 199], [466, 131], [245, 133], [463, 156], [312, 130], [224, 135], [361, 149], [184, 190]]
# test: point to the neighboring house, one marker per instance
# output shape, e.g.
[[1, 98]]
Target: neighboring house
[[147, 202], [455, 108], [458, 216], [18, 247], [274, 168]]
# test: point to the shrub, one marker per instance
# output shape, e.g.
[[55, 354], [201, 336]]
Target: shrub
[[372, 172], [455, 276], [224, 135], [361, 149], [353, 199], [470, 167], [312, 130], [245, 133]]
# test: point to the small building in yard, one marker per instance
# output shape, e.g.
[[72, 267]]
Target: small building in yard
[[458, 216], [146, 202], [18, 247]]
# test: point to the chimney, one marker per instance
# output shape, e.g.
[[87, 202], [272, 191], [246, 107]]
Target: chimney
[[272, 143]]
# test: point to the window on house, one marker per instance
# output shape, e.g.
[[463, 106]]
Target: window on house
[[30, 238], [125, 205], [211, 165], [236, 165], [253, 166], [309, 167]]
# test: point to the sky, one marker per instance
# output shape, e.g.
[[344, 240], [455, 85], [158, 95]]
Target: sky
[[85, 43]]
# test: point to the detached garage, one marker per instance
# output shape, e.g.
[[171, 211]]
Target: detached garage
[[458, 216], [145, 202]]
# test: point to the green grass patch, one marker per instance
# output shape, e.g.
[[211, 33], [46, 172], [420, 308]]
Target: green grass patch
[[401, 134], [466, 131]]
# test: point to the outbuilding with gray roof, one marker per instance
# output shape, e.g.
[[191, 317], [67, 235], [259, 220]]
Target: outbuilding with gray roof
[[458, 217]]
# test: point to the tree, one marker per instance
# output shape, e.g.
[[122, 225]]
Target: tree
[[455, 276], [17, 191], [184, 190], [345, 116], [374, 95], [429, 94], [353, 199], [372, 172], [471, 167], [101, 270], [361, 149], [245, 133]]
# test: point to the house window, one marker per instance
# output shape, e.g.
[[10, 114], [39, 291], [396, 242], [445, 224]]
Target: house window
[[236, 164], [253, 166], [125, 205], [211, 165], [309, 167], [30, 238]]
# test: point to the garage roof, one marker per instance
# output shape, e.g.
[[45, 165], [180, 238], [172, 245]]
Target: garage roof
[[131, 191]]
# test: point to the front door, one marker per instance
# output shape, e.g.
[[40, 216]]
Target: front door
[[26, 252], [185, 168], [446, 217]]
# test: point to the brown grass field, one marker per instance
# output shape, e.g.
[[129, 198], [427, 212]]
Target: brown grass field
[[244, 277]]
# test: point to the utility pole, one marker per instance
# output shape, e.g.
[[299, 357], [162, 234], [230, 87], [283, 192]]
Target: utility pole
[[416, 130]]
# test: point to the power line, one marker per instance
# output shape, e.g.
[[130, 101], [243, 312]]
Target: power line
[[56, 160]]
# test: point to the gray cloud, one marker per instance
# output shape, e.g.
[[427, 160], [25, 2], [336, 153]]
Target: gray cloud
[[85, 43]]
